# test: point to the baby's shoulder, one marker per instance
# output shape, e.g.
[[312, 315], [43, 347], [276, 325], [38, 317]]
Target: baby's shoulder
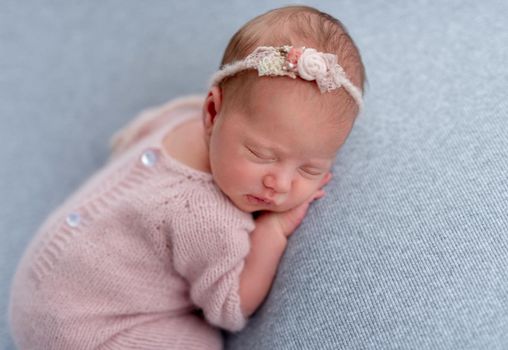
[[186, 144], [207, 204]]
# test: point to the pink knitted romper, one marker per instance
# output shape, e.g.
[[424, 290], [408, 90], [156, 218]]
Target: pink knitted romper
[[128, 258]]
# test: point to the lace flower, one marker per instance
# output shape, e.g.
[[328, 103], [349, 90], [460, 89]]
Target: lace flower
[[311, 65]]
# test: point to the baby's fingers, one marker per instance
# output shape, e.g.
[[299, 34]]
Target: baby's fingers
[[326, 179], [317, 195]]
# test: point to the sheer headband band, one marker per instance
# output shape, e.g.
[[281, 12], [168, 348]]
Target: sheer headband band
[[307, 63]]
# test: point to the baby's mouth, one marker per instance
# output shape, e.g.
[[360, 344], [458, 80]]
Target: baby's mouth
[[259, 200]]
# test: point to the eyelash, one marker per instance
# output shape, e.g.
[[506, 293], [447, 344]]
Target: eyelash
[[260, 157], [312, 173], [272, 159]]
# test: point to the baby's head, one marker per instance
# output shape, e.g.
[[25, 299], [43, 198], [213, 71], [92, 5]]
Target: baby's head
[[276, 136]]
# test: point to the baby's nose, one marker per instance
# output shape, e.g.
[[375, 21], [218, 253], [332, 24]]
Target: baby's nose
[[279, 182]]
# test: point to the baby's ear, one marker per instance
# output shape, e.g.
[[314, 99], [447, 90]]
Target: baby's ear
[[211, 108]]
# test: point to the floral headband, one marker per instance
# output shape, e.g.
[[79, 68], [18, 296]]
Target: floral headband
[[306, 63]]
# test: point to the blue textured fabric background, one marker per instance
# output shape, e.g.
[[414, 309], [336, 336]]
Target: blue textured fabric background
[[408, 249]]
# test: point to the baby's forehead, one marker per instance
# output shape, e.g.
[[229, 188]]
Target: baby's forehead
[[273, 113], [297, 95]]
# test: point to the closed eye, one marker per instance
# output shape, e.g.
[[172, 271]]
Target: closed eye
[[312, 172], [259, 155]]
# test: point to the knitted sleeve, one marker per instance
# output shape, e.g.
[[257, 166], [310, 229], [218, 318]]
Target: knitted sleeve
[[210, 240]]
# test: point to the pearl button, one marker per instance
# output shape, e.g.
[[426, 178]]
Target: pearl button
[[149, 158], [73, 219]]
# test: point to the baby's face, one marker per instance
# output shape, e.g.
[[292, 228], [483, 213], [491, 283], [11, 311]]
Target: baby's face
[[274, 153]]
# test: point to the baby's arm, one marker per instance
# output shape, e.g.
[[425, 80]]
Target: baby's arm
[[268, 242], [267, 247]]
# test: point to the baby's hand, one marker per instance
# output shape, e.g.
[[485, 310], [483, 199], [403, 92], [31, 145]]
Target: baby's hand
[[286, 222]]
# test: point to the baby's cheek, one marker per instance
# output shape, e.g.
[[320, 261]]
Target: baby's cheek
[[245, 171], [303, 189]]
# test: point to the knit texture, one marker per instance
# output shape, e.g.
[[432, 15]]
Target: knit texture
[[128, 257]]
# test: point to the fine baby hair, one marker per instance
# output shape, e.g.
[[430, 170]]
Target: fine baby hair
[[295, 41]]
